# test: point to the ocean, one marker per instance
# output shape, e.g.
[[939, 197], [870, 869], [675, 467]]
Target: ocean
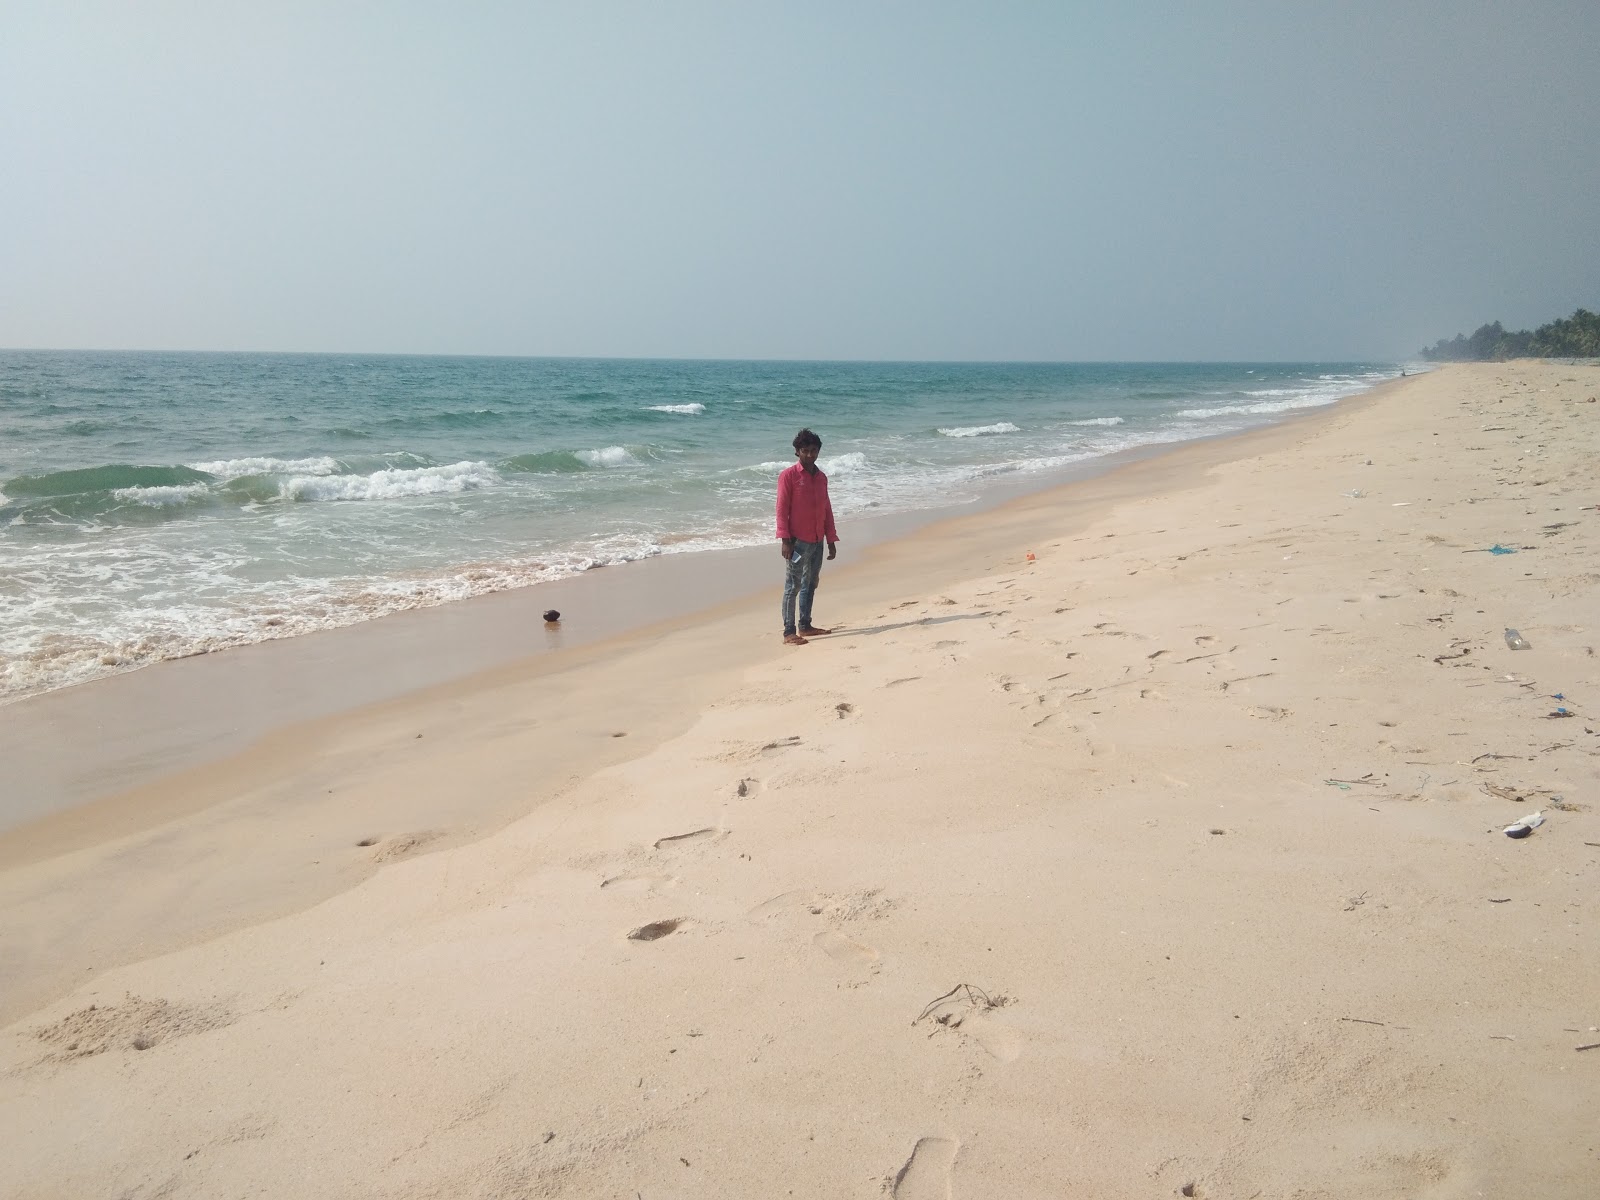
[[157, 505]]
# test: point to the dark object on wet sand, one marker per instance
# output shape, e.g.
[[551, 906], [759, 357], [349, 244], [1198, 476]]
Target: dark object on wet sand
[[655, 931], [551, 616]]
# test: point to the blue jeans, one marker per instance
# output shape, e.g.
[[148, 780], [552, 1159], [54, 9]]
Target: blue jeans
[[800, 579]]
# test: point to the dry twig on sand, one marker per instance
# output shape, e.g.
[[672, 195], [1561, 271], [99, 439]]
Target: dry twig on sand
[[971, 993]]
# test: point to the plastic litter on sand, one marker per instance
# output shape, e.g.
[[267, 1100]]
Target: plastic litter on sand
[[1525, 826]]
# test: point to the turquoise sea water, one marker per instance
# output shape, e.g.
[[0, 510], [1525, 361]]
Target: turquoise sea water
[[154, 505]]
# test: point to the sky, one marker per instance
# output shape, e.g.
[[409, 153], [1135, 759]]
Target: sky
[[868, 180]]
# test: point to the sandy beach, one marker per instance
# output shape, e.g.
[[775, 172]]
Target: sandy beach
[[1142, 837]]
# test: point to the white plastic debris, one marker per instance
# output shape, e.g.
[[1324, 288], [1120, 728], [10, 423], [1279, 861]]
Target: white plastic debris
[[1522, 828]]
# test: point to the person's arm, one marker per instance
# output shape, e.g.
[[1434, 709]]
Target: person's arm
[[828, 529], [785, 503]]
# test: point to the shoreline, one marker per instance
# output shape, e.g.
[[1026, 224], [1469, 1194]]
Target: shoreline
[[356, 524], [1205, 803], [174, 715]]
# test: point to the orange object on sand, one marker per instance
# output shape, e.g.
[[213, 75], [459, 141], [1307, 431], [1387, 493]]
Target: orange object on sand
[[1030, 556]]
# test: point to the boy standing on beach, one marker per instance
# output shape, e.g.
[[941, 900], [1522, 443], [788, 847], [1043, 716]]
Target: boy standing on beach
[[805, 521]]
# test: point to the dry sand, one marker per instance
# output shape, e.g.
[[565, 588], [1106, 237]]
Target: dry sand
[[1168, 863]]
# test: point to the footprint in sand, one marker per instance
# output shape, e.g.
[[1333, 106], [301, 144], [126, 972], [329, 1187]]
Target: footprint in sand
[[999, 1040], [638, 883], [977, 1020], [786, 900], [831, 907], [679, 841], [844, 950], [837, 906], [747, 787], [926, 1175]]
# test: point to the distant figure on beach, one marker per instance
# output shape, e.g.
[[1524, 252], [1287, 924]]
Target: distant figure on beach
[[805, 521]]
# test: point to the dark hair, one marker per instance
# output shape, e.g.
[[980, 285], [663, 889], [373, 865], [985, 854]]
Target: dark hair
[[806, 438]]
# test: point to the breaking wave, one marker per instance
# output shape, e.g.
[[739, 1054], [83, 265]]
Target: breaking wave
[[390, 484], [980, 430]]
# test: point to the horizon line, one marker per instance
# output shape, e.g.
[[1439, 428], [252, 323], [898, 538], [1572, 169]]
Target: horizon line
[[707, 358]]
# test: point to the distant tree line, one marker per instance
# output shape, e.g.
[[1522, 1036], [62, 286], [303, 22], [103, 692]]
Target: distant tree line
[[1577, 336]]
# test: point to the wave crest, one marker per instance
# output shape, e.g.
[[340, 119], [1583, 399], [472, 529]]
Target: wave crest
[[237, 468], [161, 497], [608, 456], [391, 484], [963, 431]]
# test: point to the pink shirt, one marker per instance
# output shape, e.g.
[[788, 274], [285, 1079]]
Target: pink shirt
[[804, 512]]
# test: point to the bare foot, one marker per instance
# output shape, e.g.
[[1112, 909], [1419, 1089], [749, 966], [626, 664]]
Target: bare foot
[[812, 631], [793, 639]]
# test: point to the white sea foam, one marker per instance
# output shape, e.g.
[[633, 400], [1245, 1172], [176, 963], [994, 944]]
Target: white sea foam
[[160, 497], [1224, 410], [1051, 462], [1277, 400], [391, 484], [841, 464], [1098, 421], [690, 410], [235, 468], [963, 431], [39, 651], [844, 464], [611, 456]]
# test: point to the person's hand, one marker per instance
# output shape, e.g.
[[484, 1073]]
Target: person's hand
[[787, 546], [833, 549]]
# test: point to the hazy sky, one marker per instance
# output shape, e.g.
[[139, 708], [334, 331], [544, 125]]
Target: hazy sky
[[819, 180]]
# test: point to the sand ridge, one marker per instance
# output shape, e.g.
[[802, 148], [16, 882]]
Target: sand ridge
[[1166, 863]]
